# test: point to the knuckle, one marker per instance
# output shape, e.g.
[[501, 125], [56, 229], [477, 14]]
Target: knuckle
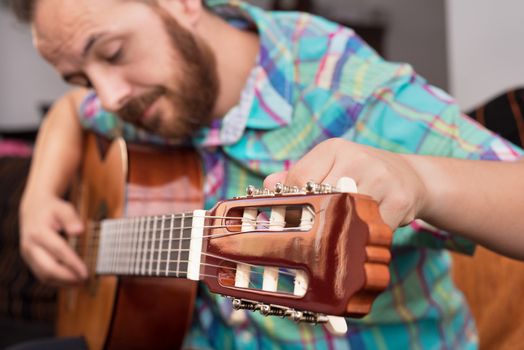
[[401, 203], [335, 142]]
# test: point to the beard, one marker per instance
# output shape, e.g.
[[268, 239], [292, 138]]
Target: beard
[[193, 98]]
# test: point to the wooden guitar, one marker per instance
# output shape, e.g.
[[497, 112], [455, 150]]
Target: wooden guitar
[[331, 246]]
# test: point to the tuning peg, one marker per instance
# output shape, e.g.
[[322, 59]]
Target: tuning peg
[[264, 309], [311, 187], [251, 190], [297, 316], [239, 304], [280, 188], [326, 188], [282, 311]]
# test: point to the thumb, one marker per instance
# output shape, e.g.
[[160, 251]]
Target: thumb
[[69, 219], [273, 179]]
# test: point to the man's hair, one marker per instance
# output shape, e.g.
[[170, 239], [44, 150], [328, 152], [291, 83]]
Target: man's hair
[[24, 9]]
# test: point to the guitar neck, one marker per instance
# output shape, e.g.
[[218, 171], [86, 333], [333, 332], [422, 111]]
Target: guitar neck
[[166, 245]]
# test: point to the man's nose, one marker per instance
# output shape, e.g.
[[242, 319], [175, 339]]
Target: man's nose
[[112, 90]]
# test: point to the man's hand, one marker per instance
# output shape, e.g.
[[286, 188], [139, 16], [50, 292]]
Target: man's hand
[[387, 177], [46, 252]]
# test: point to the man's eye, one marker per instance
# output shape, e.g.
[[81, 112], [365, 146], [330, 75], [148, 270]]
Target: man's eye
[[116, 57], [79, 81]]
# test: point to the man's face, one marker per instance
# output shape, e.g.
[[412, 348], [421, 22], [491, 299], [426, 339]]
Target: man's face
[[144, 65]]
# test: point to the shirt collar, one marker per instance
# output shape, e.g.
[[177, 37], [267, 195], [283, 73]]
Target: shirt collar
[[267, 98]]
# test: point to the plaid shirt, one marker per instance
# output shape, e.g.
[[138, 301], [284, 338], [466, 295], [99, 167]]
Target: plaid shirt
[[316, 80]]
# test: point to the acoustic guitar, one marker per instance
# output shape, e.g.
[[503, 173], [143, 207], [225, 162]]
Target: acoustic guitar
[[144, 260]]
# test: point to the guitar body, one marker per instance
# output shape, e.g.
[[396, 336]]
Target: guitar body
[[130, 312]]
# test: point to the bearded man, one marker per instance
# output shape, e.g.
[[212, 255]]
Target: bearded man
[[285, 95]]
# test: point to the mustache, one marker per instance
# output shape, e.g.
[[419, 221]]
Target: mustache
[[134, 109]]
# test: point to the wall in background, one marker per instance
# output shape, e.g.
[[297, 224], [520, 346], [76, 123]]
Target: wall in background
[[415, 34], [26, 80], [416, 31], [486, 51]]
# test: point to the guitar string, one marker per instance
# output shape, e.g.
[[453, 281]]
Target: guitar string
[[127, 270], [173, 217], [153, 244], [253, 286], [140, 222], [125, 264], [151, 233]]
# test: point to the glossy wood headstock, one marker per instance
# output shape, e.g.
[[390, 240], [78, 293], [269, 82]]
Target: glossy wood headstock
[[334, 247]]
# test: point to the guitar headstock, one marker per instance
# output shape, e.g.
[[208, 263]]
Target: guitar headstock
[[290, 250]]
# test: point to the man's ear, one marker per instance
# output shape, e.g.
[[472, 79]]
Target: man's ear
[[186, 12]]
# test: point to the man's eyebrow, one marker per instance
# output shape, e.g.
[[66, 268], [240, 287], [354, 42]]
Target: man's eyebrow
[[90, 42]]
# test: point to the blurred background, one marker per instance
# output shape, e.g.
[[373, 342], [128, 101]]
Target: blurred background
[[470, 48]]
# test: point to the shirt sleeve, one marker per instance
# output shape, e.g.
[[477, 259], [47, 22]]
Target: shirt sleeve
[[407, 115]]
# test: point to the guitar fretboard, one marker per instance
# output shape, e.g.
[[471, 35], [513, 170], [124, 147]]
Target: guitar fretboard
[[146, 246]]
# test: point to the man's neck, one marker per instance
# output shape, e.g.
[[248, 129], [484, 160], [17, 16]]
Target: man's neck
[[235, 52]]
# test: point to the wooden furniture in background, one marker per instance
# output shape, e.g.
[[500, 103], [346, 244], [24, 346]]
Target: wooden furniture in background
[[493, 284]]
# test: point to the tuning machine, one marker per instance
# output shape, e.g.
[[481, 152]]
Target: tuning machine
[[316, 188], [281, 311]]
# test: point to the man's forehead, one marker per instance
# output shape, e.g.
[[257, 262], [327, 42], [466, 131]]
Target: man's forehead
[[55, 16], [59, 23]]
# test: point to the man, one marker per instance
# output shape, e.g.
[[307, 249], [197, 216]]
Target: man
[[286, 94]]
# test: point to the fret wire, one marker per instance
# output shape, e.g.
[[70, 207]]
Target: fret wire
[[127, 246], [151, 253], [180, 235], [115, 243], [142, 242], [134, 233], [160, 246], [134, 229], [170, 239], [146, 243]]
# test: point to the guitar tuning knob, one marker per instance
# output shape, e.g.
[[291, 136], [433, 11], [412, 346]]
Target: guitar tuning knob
[[251, 190], [311, 187], [239, 304], [296, 316], [264, 309], [280, 188], [326, 188]]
